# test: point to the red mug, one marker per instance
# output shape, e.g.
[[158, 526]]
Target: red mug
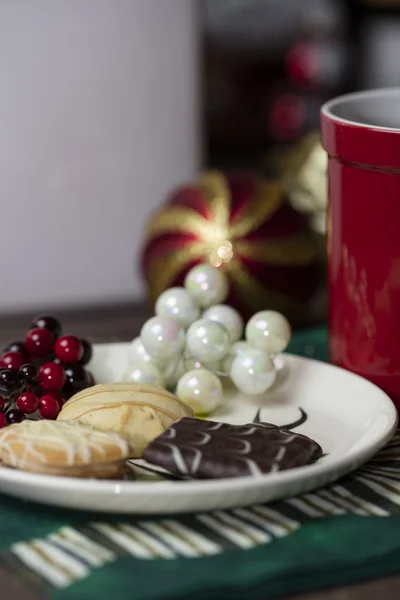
[[361, 133]]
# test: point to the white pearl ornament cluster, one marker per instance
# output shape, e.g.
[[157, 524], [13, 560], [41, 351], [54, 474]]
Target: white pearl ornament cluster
[[194, 340]]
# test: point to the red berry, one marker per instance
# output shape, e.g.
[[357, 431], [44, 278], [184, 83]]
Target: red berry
[[3, 421], [13, 360], [58, 397], [39, 342], [51, 377], [48, 407], [2, 403], [68, 349], [27, 402]]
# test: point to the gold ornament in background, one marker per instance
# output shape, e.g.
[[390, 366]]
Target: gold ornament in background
[[244, 225], [303, 171]]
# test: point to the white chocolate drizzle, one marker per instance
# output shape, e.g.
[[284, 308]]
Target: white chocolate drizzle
[[81, 443]]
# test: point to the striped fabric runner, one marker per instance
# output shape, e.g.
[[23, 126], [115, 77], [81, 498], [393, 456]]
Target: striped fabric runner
[[67, 555]]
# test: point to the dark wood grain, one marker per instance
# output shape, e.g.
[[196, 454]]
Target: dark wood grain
[[379, 589], [12, 588], [123, 323]]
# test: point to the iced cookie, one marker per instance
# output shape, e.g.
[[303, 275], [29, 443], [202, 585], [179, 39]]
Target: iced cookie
[[64, 448], [137, 411]]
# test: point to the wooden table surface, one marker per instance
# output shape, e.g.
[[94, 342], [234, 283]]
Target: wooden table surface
[[123, 323]]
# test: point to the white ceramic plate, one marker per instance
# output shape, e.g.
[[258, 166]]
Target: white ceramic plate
[[349, 417]]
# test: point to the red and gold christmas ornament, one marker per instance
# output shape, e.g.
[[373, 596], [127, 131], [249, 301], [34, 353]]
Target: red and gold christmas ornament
[[243, 225]]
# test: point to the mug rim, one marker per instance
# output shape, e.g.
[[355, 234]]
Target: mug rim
[[327, 109]]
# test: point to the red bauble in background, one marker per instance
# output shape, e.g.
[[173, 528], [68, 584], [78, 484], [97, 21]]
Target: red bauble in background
[[245, 226]]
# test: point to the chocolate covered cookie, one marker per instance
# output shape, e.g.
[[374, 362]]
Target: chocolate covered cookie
[[201, 449]]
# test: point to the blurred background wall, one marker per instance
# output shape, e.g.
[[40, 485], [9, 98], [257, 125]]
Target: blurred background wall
[[98, 118], [270, 65], [108, 104]]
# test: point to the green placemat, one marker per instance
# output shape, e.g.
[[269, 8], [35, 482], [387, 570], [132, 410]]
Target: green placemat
[[344, 533]]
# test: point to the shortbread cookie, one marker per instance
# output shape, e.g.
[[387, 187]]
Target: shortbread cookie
[[137, 411], [64, 448]]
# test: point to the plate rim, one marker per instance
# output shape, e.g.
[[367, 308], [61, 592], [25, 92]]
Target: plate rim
[[133, 488]]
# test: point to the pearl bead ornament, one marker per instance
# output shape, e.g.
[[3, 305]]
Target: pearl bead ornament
[[174, 370], [207, 285], [228, 317], [207, 341], [268, 331], [178, 304], [144, 372], [253, 372], [236, 349], [162, 337], [137, 352], [201, 389], [194, 340]]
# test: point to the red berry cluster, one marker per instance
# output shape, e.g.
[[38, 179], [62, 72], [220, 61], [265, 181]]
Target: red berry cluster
[[38, 375]]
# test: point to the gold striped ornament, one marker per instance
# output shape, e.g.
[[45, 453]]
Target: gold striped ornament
[[243, 225]]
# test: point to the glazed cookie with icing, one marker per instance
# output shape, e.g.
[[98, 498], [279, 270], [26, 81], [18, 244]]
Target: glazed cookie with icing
[[64, 448], [137, 411]]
